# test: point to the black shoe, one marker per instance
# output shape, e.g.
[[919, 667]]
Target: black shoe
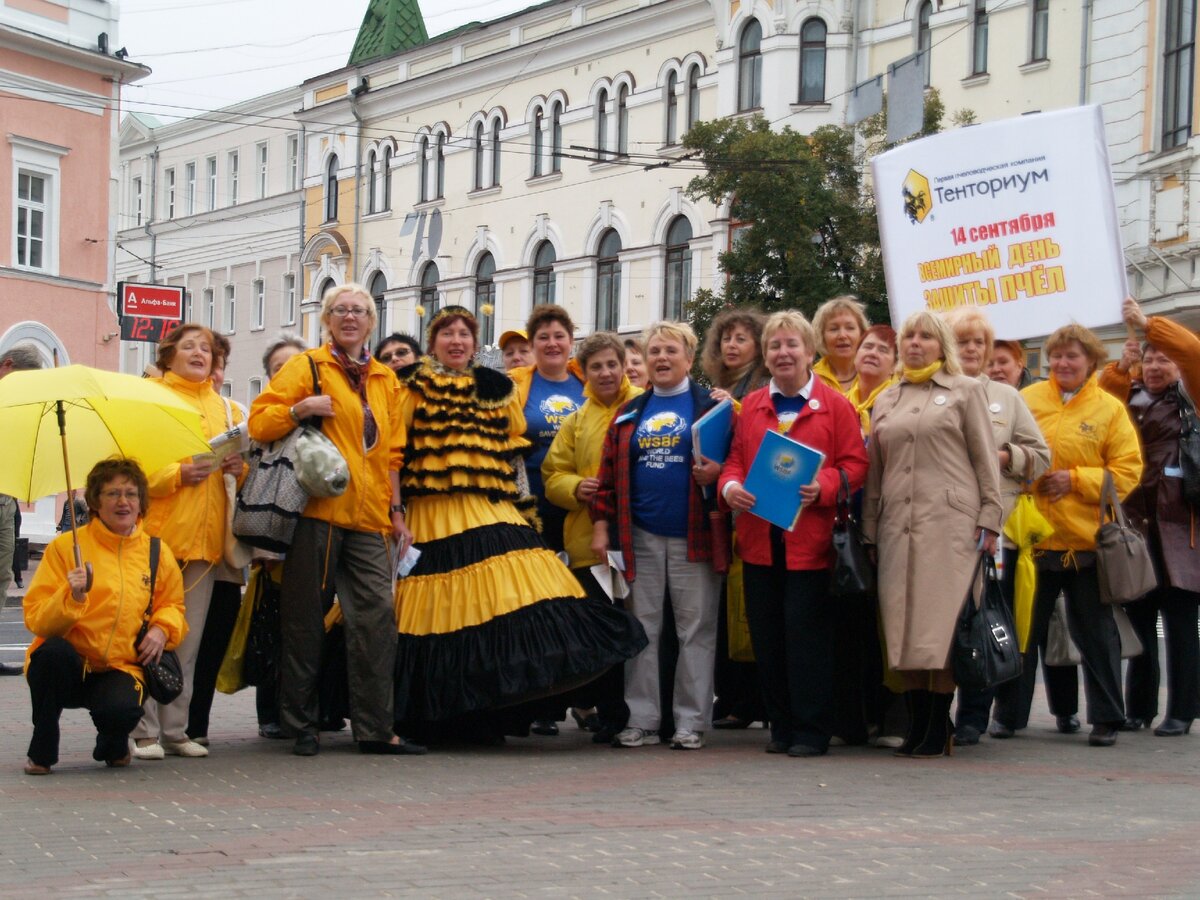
[[1173, 727], [966, 736], [1133, 723], [271, 730], [306, 745], [803, 751], [590, 722], [1067, 724], [732, 722], [544, 727], [11, 669], [777, 747], [1000, 731], [386, 748], [1103, 735]]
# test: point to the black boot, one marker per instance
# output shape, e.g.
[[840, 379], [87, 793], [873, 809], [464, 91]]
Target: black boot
[[917, 705], [939, 730]]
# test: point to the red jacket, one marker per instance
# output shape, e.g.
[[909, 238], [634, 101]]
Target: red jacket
[[828, 423]]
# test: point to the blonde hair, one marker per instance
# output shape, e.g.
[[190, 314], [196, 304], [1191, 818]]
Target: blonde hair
[[844, 303], [672, 331], [350, 287], [925, 320], [789, 320], [965, 320], [1087, 339]]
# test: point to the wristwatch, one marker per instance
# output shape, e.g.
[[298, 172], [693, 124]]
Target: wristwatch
[[396, 508]]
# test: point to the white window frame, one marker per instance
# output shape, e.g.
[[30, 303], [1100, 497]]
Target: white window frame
[[187, 306], [189, 188], [210, 165], [293, 161], [261, 159], [287, 311], [253, 388], [169, 191], [234, 174], [39, 159], [138, 199], [209, 311], [258, 309], [229, 310]]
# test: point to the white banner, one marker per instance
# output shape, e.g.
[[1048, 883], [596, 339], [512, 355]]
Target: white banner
[[1016, 217]]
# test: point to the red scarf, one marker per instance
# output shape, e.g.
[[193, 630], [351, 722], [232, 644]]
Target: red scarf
[[356, 374]]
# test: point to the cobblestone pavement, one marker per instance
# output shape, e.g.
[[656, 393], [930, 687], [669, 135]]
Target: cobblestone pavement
[[1042, 815]]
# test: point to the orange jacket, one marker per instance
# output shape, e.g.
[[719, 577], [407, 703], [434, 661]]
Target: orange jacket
[[364, 505], [104, 627], [191, 518]]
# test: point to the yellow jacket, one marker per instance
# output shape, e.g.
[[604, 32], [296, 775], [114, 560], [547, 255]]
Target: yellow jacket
[[522, 377], [1090, 433], [574, 456], [364, 505], [103, 628], [191, 518], [823, 370]]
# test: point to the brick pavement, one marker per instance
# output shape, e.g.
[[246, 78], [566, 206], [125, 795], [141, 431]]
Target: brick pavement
[[1041, 815]]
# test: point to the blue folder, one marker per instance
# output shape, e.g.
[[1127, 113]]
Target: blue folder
[[713, 432], [781, 467]]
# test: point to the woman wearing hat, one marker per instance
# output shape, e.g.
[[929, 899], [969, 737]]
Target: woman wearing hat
[[488, 616]]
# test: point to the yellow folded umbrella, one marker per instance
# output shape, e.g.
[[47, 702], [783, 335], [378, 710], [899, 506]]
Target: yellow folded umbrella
[[1025, 527]]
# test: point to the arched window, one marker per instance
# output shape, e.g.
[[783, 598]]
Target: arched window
[[331, 189], [693, 93], [678, 287], [608, 281], [602, 123], [479, 156], [429, 295], [387, 178], [440, 167], [924, 37], [495, 152], [423, 170], [485, 292], [538, 150], [543, 273], [812, 61], [556, 136], [372, 184], [750, 67], [623, 120], [672, 110], [377, 288]]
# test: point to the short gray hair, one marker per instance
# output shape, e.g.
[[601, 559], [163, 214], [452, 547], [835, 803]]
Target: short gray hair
[[285, 339], [22, 357]]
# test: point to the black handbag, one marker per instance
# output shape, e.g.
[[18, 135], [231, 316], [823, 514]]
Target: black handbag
[[853, 575], [985, 652], [260, 663], [164, 679]]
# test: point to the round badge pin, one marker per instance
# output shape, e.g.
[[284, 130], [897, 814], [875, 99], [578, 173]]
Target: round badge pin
[[814, 403], [939, 400], [995, 407]]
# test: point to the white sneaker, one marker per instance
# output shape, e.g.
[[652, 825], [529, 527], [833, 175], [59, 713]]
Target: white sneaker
[[150, 751], [889, 741], [683, 739], [636, 737], [183, 748]]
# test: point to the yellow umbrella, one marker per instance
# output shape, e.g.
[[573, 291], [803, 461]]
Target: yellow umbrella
[[1025, 527], [85, 415]]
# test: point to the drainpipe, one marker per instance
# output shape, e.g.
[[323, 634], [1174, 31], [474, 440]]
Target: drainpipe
[[150, 218], [355, 93], [301, 158], [1085, 27]]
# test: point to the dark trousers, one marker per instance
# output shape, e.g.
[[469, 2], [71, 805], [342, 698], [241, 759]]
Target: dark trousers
[[857, 668], [1095, 634], [606, 693], [736, 681], [325, 559], [57, 682], [1179, 612], [791, 628], [218, 628], [974, 706]]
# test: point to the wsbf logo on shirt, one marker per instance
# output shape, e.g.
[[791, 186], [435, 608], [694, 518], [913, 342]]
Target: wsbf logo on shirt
[[660, 430], [556, 408]]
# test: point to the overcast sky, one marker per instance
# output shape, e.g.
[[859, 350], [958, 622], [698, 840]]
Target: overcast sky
[[210, 53]]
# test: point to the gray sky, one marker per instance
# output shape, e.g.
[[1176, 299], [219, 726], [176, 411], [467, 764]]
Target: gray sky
[[212, 53]]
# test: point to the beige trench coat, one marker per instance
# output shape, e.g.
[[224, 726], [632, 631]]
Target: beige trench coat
[[934, 477], [1016, 430]]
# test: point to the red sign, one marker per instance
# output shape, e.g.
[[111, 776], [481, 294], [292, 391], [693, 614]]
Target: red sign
[[157, 301]]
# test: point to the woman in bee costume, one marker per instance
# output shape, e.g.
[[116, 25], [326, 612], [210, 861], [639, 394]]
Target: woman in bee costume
[[489, 616]]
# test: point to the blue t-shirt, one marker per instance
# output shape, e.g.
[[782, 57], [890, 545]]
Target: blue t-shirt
[[662, 466], [548, 405], [787, 409]]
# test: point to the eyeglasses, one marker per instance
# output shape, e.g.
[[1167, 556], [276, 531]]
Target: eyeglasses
[[115, 495], [342, 312]]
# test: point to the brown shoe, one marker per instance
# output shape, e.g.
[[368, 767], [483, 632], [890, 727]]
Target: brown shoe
[[119, 763], [32, 768]]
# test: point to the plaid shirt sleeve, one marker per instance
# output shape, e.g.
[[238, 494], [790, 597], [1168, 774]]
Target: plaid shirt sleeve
[[603, 505]]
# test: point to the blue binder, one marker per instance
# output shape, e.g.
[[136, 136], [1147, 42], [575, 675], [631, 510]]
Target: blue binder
[[713, 432], [781, 467]]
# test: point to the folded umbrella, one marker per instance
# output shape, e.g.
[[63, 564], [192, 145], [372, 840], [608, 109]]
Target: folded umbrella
[[1025, 527]]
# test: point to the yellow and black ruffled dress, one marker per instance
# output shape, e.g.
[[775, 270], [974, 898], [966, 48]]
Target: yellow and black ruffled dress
[[489, 616]]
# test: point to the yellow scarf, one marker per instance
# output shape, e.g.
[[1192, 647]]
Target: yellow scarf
[[920, 376]]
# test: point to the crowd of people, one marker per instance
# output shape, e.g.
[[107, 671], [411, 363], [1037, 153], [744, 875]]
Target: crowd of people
[[579, 557]]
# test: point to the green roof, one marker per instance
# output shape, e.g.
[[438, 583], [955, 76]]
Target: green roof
[[388, 27]]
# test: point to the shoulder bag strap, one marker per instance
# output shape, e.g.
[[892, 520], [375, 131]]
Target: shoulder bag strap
[[314, 421], [155, 548], [842, 515], [1110, 503]]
